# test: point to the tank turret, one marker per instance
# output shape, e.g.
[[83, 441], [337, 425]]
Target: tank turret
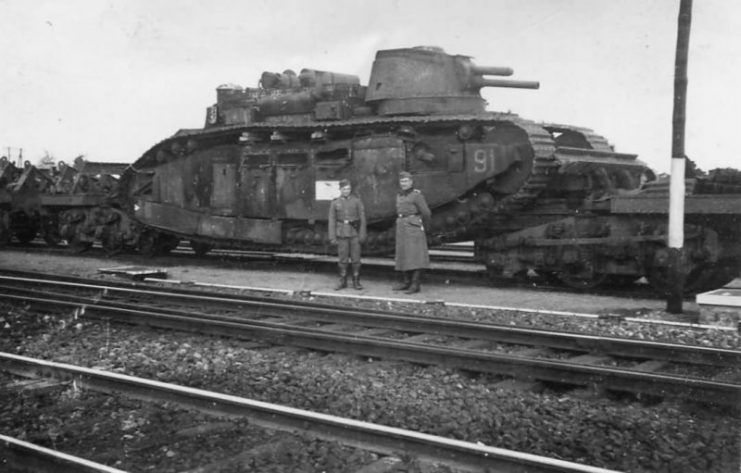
[[426, 80]]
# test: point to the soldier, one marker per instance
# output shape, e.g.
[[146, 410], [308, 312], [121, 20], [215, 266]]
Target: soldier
[[413, 216], [347, 231]]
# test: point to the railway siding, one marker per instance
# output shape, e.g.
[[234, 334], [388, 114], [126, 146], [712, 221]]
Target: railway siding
[[613, 434]]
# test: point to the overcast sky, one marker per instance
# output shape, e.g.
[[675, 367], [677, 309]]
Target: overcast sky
[[110, 78]]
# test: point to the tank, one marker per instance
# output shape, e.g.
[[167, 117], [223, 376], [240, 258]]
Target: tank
[[552, 198], [74, 203], [267, 163], [545, 197]]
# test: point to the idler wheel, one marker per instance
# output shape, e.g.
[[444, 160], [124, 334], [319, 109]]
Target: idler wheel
[[155, 244], [308, 237], [438, 223], [191, 145], [383, 238], [162, 156], [26, 235], [549, 277], [582, 276], [4, 234], [466, 132], [700, 278], [372, 240], [292, 235], [391, 236], [112, 242], [76, 245], [168, 243], [461, 215], [25, 227], [473, 209], [147, 245], [485, 200]]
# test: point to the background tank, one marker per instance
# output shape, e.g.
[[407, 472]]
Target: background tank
[[73, 203]]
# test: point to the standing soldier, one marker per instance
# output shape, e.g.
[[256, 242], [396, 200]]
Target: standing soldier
[[413, 216], [347, 231]]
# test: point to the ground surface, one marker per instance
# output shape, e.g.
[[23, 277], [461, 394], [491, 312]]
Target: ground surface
[[622, 434]]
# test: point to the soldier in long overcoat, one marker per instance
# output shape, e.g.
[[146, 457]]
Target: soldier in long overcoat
[[347, 229], [413, 218]]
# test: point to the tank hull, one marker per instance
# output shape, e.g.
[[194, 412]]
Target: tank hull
[[266, 191]]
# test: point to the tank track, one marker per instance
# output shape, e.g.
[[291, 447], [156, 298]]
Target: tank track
[[589, 139], [543, 166]]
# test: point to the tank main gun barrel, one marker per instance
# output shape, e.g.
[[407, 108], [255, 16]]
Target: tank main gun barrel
[[476, 79], [491, 70], [479, 82]]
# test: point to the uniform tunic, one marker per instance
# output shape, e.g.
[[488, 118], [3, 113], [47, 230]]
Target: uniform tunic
[[413, 216], [347, 226]]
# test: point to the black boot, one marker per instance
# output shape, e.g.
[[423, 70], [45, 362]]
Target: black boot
[[407, 281], [414, 286], [342, 284], [356, 276]]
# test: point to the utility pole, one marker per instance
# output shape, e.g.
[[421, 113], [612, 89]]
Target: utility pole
[[676, 184]]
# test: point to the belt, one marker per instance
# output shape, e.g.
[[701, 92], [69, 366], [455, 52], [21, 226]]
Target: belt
[[406, 215], [347, 221]]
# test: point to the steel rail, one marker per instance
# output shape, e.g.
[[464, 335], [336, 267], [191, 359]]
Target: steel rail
[[451, 254], [18, 455], [621, 347], [663, 385], [359, 434]]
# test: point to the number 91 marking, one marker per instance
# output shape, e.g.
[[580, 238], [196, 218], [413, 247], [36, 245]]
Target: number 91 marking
[[485, 161]]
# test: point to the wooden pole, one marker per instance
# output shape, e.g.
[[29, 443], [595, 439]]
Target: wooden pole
[[676, 189]]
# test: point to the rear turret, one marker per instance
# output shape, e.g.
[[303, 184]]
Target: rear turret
[[289, 98]]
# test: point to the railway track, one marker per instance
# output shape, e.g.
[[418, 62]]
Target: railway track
[[383, 440], [19, 455], [641, 367]]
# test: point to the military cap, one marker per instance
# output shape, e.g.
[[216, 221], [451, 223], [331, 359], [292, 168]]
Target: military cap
[[344, 183], [404, 175]]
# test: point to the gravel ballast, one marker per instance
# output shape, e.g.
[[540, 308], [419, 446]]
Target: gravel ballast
[[618, 434]]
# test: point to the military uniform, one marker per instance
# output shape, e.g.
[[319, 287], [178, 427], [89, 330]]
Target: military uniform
[[413, 217], [347, 226]]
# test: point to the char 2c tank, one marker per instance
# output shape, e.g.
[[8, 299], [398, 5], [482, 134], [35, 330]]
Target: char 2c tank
[[533, 196]]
